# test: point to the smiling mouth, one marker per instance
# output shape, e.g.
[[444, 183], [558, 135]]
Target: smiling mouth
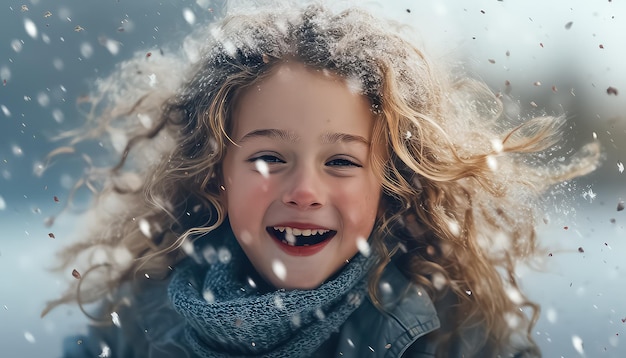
[[300, 237]]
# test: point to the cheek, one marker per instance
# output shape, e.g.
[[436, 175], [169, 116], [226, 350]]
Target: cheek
[[360, 204]]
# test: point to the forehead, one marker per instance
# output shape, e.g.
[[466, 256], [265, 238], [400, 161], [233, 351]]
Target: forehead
[[296, 98]]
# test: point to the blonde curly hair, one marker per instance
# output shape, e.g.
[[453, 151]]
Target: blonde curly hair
[[460, 180]]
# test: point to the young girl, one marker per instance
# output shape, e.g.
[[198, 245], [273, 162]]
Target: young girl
[[309, 186]]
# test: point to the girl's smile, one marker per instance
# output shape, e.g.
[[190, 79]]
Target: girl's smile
[[299, 186]]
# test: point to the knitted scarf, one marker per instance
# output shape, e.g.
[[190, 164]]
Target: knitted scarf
[[225, 316]]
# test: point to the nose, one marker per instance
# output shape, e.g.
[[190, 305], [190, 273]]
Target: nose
[[304, 189]]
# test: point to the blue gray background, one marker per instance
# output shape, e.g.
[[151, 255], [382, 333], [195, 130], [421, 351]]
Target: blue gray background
[[559, 55]]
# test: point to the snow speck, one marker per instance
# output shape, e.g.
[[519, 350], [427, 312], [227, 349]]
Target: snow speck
[[189, 16], [551, 315], [320, 314], [30, 27], [152, 80], [29, 337], [385, 287], [58, 115], [5, 73], [106, 351], [454, 228], [58, 64], [251, 282], [144, 227], [145, 120], [38, 169], [3, 204], [492, 162], [620, 167], [16, 45], [279, 270], [43, 99], [278, 302], [115, 318], [5, 111], [111, 45], [363, 246], [497, 145], [439, 281], [224, 255], [262, 168], [589, 195], [17, 151], [577, 342], [296, 321], [208, 296], [86, 50]]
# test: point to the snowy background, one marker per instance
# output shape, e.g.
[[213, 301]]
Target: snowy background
[[558, 55]]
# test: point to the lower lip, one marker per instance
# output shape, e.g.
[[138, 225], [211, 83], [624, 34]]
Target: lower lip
[[302, 250]]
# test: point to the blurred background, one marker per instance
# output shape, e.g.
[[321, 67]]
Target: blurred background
[[554, 57]]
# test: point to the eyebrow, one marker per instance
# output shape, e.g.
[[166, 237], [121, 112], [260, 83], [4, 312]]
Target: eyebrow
[[289, 136]]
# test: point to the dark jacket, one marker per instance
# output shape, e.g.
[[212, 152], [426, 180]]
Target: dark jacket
[[151, 328]]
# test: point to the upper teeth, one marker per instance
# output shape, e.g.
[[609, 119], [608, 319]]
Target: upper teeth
[[300, 232]]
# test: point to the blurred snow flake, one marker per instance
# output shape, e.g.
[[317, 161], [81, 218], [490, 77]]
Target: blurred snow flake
[[3, 204], [189, 16], [43, 99], [577, 342], [385, 288], [251, 282], [492, 162], [152, 80], [106, 351], [17, 151], [208, 296], [454, 228], [16, 45], [38, 169], [58, 115], [29, 337], [58, 64], [279, 270], [5, 111], [86, 50], [439, 281], [30, 27], [115, 318], [363, 246], [590, 195], [145, 120], [224, 255], [111, 45], [5, 73], [296, 321], [497, 145], [262, 167], [278, 302], [551, 315], [620, 167], [144, 227]]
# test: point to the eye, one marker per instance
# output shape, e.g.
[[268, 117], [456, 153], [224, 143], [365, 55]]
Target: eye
[[267, 158], [342, 162]]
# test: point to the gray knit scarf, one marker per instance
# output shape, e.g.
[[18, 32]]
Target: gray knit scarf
[[225, 316]]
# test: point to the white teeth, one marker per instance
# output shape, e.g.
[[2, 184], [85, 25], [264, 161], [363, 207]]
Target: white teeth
[[300, 232]]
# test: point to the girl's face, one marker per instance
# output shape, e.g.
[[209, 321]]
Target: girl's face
[[300, 191]]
